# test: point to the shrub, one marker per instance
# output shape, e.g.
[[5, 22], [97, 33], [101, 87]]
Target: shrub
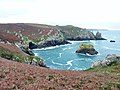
[[86, 46], [19, 57]]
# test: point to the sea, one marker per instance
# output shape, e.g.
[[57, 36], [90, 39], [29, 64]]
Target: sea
[[64, 57]]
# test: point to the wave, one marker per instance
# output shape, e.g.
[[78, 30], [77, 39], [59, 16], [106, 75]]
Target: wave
[[69, 62], [36, 54], [73, 42], [52, 47], [64, 49], [86, 55], [60, 54], [57, 63]]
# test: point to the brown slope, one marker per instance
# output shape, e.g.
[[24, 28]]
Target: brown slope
[[9, 37], [10, 47], [14, 75], [30, 30]]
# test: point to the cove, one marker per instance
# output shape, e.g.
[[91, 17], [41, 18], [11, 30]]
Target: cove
[[64, 57]]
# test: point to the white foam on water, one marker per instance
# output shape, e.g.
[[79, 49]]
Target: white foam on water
[[57, 63], [73, 42], [60, 55], [52, 47], [99, 54], [36, 54], [86, 55], [69, 62], [64, 49]]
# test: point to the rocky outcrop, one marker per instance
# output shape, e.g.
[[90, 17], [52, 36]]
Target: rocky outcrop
[[88, 36], [98, 35], [112, 40], [32, 45], [27, 50], [53, 43], [111, 59], [87, 49]]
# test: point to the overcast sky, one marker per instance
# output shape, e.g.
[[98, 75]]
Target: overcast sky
[[103, 14]]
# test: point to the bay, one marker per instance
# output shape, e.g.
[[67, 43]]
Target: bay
[[64, 57]]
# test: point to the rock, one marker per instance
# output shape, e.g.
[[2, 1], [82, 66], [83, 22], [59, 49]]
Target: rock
[[53, 43], [32, 45], [87, 36], [98, 35], [41, 64], [87, 49], [112, 41], [111, 59], [27, 50], [113, 56]]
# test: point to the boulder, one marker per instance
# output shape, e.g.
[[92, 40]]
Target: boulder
[[87, 49]]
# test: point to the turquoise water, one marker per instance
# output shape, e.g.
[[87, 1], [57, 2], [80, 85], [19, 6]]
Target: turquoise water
[[64, 57]]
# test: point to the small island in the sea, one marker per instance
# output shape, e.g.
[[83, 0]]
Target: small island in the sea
[[87, 49]]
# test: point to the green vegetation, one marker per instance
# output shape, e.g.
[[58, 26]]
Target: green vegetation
[[38, 40], [109, 86], [86, 46], [19, 57], [71, 31]]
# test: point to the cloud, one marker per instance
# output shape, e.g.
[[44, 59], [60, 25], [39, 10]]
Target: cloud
[[77, 12]]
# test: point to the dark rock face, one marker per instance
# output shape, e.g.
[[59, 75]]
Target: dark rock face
[[32, 45], [112, 41], [87, 51], [27, 50], [53, 43]]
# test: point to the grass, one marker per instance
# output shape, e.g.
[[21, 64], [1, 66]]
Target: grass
[[110, 86], [19, 57], [112, 70]]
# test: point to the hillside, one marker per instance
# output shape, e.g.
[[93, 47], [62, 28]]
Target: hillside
[[71, 31], [37, 33], [14, 76]]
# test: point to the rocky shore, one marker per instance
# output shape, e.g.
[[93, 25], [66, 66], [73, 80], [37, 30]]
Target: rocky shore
[[111, 59], [81, 39], [49, 43]]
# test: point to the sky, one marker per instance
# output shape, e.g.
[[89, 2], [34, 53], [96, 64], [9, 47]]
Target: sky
[[93, 14]]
